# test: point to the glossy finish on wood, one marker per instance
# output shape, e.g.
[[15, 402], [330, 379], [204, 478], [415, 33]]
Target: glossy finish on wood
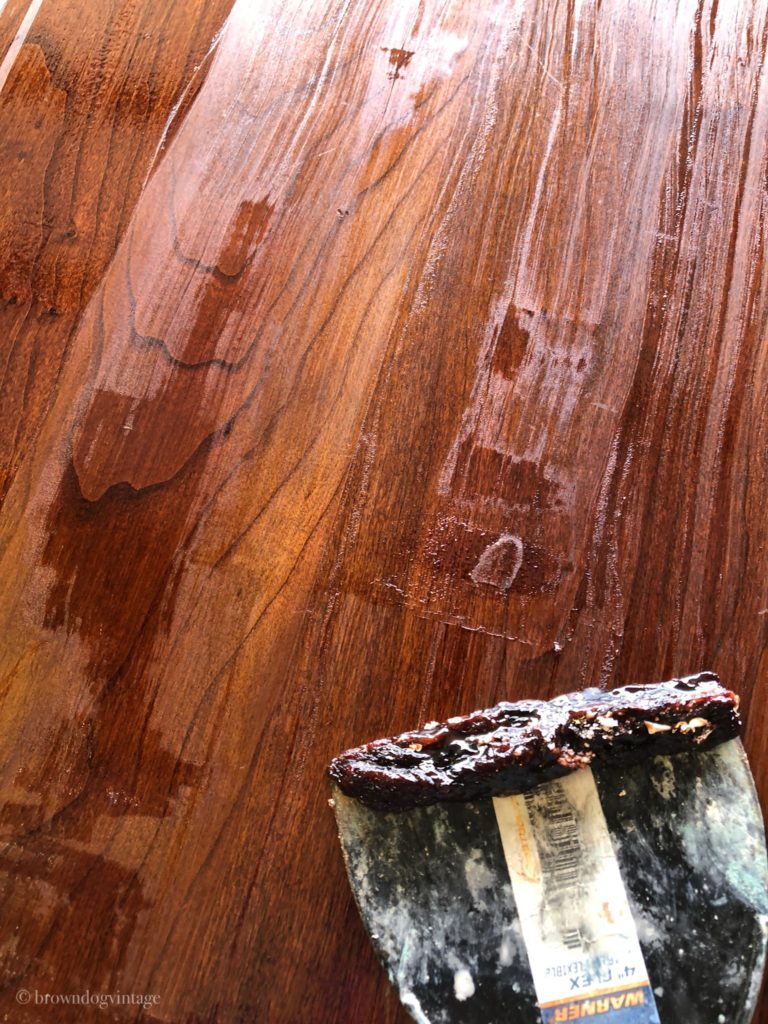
[[363, 363]]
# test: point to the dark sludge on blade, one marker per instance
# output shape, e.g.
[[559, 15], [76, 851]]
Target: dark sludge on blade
[[513, 747]]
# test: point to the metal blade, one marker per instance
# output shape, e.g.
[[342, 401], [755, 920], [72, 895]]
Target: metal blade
[[434, 892]]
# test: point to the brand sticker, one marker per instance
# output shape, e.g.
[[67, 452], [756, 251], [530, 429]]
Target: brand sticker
[[576, 921]]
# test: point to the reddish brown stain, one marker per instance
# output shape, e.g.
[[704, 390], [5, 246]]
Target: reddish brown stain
[[399, 59], [511, 345], [100, 597], [75, 894], [119, 608], [247, 230], [518, 483]]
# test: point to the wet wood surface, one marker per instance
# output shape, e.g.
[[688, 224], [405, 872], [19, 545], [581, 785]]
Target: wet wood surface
[[362, 363]]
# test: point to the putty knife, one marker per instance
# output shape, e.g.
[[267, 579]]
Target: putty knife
[[633, 893]]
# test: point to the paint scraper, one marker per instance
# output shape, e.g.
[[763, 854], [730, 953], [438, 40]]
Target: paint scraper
[[600, 856]]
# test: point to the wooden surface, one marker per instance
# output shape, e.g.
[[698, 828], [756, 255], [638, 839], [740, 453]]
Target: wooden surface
[[362, 363]]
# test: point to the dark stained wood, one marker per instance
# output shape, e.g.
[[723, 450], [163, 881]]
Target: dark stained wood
[[362, 364]]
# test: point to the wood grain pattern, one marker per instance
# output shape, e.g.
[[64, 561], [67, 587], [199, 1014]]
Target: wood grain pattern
[[363, 363]]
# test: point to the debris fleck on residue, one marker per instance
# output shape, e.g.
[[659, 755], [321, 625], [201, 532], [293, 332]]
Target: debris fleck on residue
[[606, 723], [654, 727]]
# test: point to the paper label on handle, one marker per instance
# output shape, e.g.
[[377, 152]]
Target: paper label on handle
[[576, 921]]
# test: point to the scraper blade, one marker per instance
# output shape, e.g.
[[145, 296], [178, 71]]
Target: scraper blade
[[436, 895]]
